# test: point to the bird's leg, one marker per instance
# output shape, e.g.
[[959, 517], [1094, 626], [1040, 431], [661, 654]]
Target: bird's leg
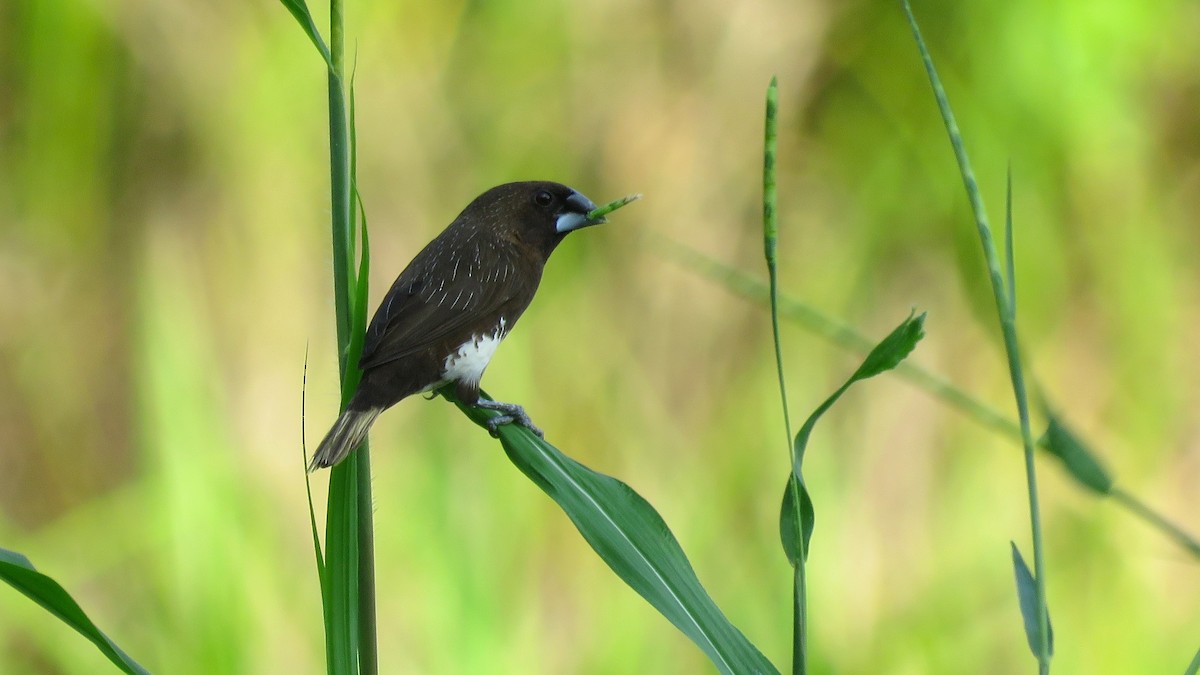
[[511, 413]]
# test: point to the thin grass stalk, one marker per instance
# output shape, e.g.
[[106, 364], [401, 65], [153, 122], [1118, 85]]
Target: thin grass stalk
[[1007, 312], [770, 244]]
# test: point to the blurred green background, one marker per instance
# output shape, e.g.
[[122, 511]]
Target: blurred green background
[[164, 266]]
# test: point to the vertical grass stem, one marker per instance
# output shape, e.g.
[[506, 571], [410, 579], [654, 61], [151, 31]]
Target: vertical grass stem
[[770, 242], [1007, 313]]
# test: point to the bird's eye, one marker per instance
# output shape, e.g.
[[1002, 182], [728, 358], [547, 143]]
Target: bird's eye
[[543, 198]]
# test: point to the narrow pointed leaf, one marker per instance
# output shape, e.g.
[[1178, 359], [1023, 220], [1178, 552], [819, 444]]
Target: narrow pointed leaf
[[18, 572], [1027, 597], [632, 539], [1081, 463], [299, 10], [892, 349]]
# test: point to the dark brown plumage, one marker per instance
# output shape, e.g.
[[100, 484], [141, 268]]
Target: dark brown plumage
[[459, 297]]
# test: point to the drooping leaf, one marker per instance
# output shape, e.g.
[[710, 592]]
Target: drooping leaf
[[1079, 460], [633, 540], [18, 572], [886, 355], [1027, 597]]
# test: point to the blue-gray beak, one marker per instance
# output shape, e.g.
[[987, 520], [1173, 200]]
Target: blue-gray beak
[[575, 215]]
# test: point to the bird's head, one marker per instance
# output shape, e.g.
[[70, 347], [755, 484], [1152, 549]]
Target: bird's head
[[534, 213]]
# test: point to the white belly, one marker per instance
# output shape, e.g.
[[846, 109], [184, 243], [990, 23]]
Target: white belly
[[467, 363]]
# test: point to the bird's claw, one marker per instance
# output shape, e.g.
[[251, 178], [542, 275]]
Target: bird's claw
[[511, 413]]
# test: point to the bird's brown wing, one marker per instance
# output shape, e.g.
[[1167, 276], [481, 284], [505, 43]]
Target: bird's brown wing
[[445, 288]]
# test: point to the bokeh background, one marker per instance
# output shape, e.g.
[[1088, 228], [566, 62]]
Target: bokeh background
[[164, 269]]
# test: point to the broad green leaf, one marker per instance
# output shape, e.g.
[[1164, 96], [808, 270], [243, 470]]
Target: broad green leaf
[[18, 572], [886, 355], [1027, 597], [1080, 462], [632, 539]]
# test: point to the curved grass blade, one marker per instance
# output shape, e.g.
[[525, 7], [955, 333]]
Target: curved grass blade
[[885, 356], [312, 514], [632, 539], [1028, 599], [299, 9], [18, 572]]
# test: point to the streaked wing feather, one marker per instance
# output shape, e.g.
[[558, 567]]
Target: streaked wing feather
[[442, 290]]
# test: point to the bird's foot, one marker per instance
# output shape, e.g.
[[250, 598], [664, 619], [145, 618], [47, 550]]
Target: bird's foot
[[510, 413]]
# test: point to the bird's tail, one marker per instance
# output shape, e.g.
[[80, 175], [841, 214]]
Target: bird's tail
[[347, 434]]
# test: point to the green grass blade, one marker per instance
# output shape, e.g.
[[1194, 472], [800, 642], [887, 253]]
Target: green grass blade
[[368, 647], [341, 564], [347, 572], [342, 224], [632, 539], [18, 572], [1027, 598], [299, 9], [1005, 309], [348, 588]]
